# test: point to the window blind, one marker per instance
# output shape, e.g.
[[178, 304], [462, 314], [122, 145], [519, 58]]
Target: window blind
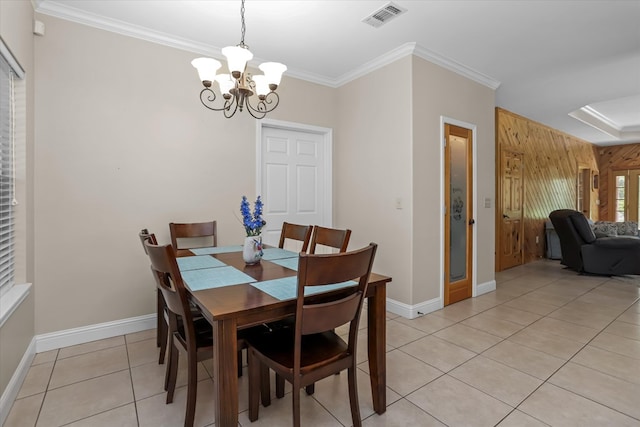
[[7, 133]]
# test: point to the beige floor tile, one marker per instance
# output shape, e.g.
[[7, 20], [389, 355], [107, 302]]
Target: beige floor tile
[[581, 317], [533, 362], [24, 412], [141, 352], [624, 329], [610, 363], [333, 393], [513, 315], [572, 331], [613, 392], [154, 412], [493, 299], [532, 305], [554, 345], [438, 352], [140, 336], [90, 346], [362, 353], [279, 413], [498, 327], [37, 380], [617, 344], [148, 379], [429, 323], [89, 365], [596, 308], [402, 414], [86, 398], [549, 298], [455, 312], [630, 316], [469, 338], [44, 357], [406, 373], [399, 334], [124, 416], [520, 419], [456, 404], [500, 381], [576, 411]]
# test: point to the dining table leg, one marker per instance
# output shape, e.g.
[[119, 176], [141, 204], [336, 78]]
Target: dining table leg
[[377, 343], [225, 372]]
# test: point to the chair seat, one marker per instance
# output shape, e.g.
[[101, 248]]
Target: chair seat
[[317, 349]]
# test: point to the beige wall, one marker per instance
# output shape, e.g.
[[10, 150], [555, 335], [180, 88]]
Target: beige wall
[[439, 92], [373, 168], [18, 331], [123, 143]]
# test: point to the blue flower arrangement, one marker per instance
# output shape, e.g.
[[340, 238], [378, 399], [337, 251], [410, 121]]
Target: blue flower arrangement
[[252, 222]]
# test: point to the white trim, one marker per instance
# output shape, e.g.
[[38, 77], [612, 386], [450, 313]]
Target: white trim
[[69, 13], [327, 134], [15, 383], [15, 66], [485, 288], [474, 261], [416, 310], [11, 300], [84, 334]]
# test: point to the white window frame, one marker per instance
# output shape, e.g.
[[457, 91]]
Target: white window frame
[[11, 295]]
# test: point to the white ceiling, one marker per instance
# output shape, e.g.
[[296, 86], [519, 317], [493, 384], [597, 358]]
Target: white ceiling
[[547, 58]]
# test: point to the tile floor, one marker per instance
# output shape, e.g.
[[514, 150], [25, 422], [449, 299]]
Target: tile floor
[[548, 347]]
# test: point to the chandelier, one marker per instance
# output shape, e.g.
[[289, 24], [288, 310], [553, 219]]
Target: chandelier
[[238, 87]]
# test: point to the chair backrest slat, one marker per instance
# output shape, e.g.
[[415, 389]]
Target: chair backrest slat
[[331, 237], [337, 309], [146, 235], [192, 231], [298, 232]]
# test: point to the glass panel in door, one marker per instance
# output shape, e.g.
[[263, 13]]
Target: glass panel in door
[[458, 211]]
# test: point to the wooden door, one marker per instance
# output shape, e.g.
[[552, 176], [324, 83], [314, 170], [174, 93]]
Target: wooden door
[[459, 220], [510, 223]]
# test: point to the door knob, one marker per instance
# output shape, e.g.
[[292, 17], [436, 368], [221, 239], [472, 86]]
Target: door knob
[[505, 216], [472, 221]]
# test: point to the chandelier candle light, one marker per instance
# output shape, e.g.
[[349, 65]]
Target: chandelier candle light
[[238, 87]]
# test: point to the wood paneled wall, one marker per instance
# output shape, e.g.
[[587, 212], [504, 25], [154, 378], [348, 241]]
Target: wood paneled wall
[[551, 162], [616, 157]]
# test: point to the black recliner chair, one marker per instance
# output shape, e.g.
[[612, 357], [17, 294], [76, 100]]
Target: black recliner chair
[[583, 252]]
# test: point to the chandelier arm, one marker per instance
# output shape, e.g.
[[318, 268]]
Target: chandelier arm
[[228, 112], [264, 106], [208, 97]]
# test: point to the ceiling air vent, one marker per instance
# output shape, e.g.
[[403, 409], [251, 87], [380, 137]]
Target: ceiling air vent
[[383, 15]]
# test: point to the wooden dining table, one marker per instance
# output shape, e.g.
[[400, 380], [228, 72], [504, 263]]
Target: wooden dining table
[[229, 307]]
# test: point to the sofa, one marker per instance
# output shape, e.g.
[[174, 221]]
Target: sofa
[[611, 254]]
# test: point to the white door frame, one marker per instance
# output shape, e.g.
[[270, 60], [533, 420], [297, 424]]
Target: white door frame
[[327, 134], [474, 257]]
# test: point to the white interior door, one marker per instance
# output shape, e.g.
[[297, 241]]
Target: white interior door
[[295, 179]]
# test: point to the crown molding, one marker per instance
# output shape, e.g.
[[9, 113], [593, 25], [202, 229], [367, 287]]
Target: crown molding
[[76, 15]]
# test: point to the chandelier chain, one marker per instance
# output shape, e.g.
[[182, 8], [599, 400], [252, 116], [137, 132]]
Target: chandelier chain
[[243, 26]]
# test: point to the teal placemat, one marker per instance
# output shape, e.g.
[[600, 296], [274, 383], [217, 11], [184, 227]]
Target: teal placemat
[[209, 278], [198, 262], [290, 263], [216, 250], [276, 253], [287, 288]]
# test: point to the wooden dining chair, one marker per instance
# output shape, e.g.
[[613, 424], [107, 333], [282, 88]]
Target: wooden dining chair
[[161, 320], [298, 232], [311, 350], [191, 335], [331, 237], [193, 235]]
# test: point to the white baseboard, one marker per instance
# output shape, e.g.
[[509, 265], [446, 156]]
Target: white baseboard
[[485, 287], [84, 334], [13, 387], [413, 311]]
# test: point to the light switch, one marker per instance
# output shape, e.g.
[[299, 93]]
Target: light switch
[[487, 202], [398, 203]]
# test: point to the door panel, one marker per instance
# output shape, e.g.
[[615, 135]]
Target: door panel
[[511, 224], [459, 218], [292, 180]]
